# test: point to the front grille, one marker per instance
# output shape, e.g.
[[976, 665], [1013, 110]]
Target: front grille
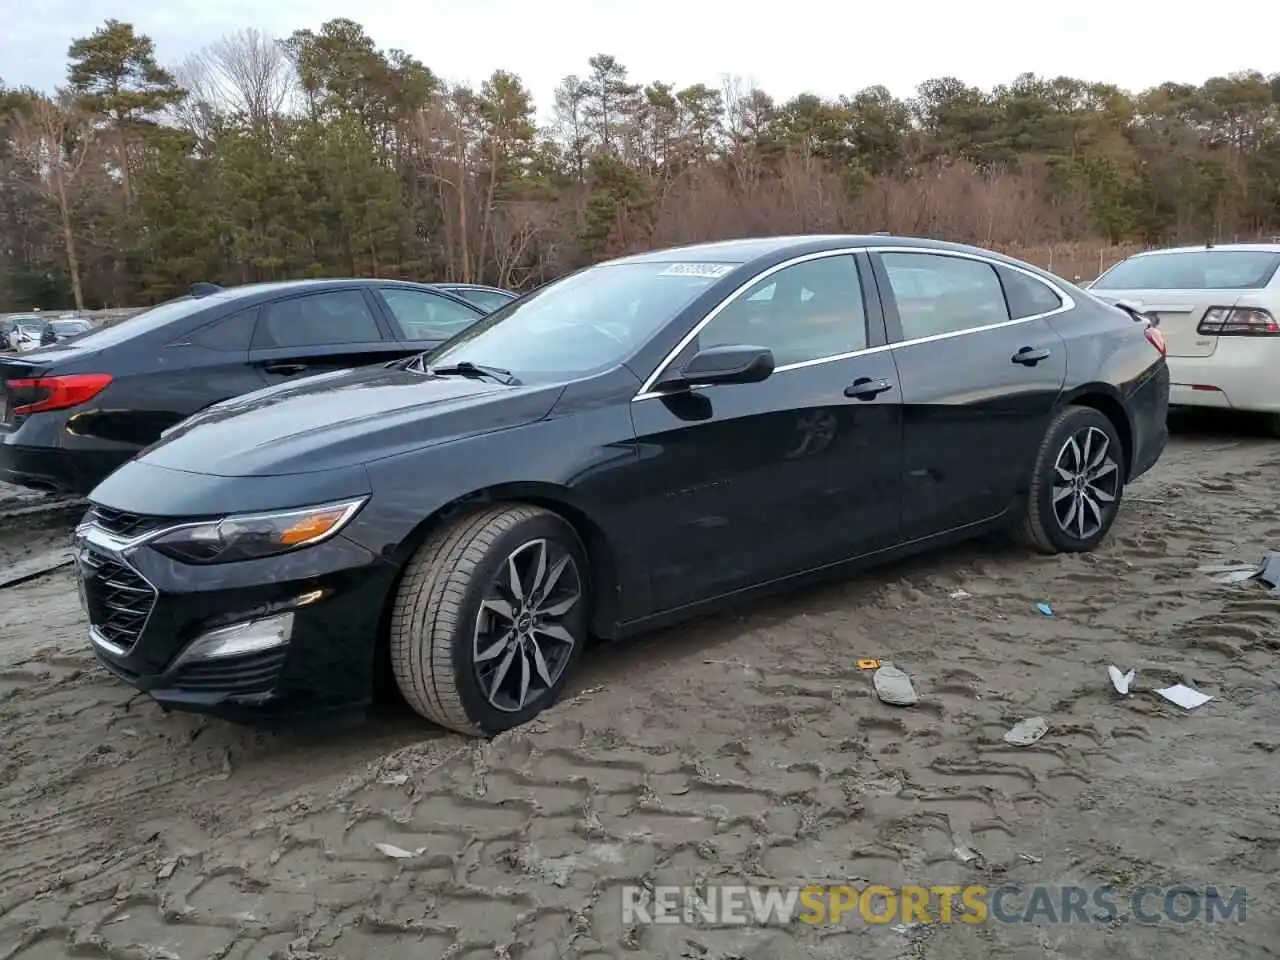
[[122, 524], [119, 601]]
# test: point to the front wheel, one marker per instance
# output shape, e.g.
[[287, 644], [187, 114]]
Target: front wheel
[[1077, 484], [490, 618]]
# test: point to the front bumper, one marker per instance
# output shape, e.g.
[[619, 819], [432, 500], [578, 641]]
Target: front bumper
[[147, 612]]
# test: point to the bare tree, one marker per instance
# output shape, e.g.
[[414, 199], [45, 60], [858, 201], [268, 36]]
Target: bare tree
[[56, 138], [245, 73]]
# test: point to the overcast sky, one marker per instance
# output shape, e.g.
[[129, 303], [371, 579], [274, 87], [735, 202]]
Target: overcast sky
[[822, 46]]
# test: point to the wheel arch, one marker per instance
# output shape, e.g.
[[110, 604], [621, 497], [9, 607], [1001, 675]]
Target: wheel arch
[[601, 556], [1106, 399]]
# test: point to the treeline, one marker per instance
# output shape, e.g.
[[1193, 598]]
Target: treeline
[[320, 154]]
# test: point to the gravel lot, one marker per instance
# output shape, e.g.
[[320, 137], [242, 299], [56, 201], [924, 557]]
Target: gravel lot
[[739, 748]]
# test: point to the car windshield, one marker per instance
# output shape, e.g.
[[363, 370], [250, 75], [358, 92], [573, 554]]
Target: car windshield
[[68, 328], [582, 324], [1192, 270]]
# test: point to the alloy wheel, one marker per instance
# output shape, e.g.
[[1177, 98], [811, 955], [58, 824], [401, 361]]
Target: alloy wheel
[[521, 646], [1086, 483]]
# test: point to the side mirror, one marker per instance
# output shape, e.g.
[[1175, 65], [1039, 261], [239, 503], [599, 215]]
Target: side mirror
[[727, 364]]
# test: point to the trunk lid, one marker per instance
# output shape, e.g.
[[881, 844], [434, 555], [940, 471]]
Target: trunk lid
[[1179, 313]]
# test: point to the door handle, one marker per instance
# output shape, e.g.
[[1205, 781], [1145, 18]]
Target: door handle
[[1030, 356], [285, 369], [864, 388]]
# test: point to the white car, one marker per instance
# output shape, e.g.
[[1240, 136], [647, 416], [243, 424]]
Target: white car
[[1217, 307]]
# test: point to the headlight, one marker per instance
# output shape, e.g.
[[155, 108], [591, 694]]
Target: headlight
[[256, 535]]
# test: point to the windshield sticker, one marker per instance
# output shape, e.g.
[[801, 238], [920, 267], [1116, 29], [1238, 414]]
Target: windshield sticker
[[710, 271]]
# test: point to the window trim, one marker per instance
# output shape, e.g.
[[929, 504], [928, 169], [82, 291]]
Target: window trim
[[646, 391]]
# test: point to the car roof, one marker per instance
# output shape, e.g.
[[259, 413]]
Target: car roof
[[1240, 247], [471, 286], [271, 289], [747, 250]]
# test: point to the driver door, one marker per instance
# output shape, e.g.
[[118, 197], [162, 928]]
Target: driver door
[[747, 483]]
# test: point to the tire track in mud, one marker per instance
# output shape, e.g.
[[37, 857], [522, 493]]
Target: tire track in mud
[[742, 748]]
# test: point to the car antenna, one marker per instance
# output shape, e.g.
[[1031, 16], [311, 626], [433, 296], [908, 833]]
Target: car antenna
[[203, 289]]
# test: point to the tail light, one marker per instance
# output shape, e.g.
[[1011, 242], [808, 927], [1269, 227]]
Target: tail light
[[1238, 322], [43, 394], [1155, 337]]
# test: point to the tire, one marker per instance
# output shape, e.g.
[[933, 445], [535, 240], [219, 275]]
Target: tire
[[1044, 525], [446, 614]]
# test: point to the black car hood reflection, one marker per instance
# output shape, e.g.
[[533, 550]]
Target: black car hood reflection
[[341, 419]]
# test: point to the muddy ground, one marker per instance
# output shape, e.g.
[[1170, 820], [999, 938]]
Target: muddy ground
[[741, 747]]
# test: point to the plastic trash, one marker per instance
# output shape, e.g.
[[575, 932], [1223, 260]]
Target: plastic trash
[[1045, 609], [893, 686], [396, 853], [1235, 576], [1184, 696], [1121, 681], [1027, 732], [1269, 570]]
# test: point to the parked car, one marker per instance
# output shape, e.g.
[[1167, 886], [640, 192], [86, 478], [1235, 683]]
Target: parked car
[[1218, 308], [629, 445], [488, 298], [73, 412], [22, 332], [65, 328]]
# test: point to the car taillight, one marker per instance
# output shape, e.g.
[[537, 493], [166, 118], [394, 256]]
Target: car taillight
[[42, 394], [1238, 322], [1155, 337]]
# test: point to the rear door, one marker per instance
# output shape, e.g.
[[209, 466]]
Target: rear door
[[422, 319], [981, 372], [319, 332]]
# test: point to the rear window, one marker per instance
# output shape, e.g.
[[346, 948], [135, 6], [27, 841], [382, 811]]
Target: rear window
[[144, 322], [1193, 270]]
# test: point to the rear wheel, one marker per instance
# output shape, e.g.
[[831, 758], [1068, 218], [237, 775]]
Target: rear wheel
[[1077, 484], [490, 618]]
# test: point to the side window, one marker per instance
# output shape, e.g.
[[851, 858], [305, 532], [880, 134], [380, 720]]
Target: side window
[[317, 320], [426, 316], [945, 294], [1027, 297], [232, 334], [809, 311]]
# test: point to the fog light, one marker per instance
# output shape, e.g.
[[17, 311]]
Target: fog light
[[239, 639]]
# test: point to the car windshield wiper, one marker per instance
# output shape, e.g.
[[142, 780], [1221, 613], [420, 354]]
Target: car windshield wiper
[[466, 368]]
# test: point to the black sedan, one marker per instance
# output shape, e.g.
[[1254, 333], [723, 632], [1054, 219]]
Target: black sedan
[[626, 446], [72, 412]]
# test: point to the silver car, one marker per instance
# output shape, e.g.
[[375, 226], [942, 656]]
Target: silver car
[[1217, 307]]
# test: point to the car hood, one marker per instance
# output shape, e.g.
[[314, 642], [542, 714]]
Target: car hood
[[342, 419]]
